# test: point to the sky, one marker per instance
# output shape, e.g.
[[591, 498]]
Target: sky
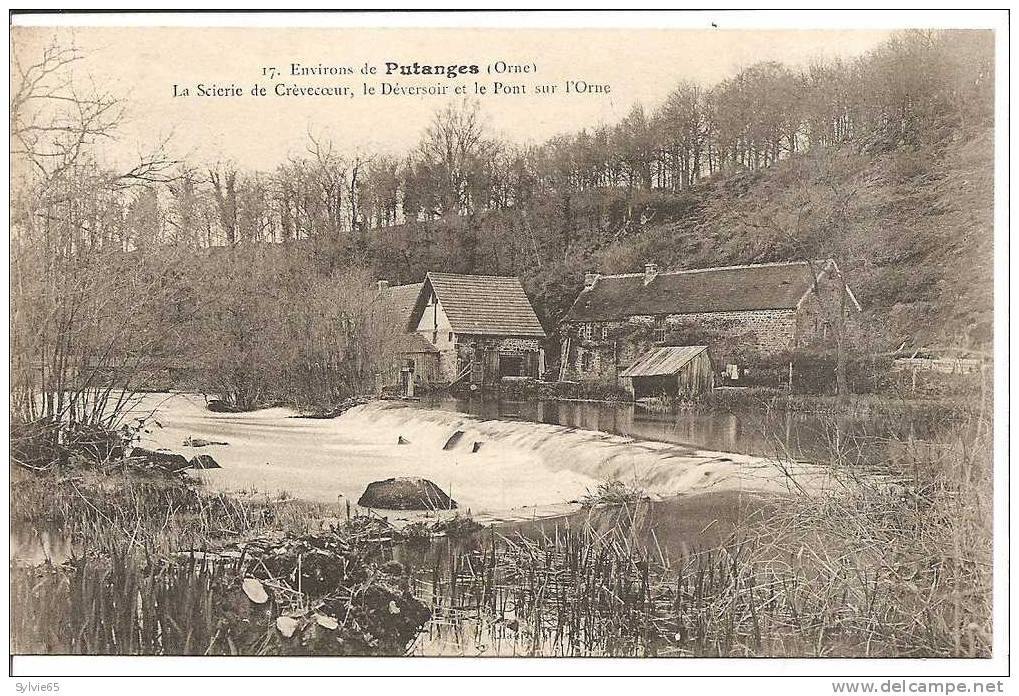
[[142, 65]]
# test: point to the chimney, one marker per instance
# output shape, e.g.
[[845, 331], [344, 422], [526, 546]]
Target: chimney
[[650, 271], [383, 285], [590, 279]]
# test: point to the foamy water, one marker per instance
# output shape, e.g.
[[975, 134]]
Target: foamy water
[[519, 469]]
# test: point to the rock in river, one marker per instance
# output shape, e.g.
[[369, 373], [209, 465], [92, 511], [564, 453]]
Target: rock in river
[[204, 461], [221, 406], [167, 460], [453, 440], [406, 494], [199, 442]]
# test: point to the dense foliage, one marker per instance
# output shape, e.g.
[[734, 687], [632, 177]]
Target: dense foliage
[[882, 162]]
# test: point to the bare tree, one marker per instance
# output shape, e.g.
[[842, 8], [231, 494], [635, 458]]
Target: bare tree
[[86, 299], [453, 147], [54, 125], [224, 186], [818, 230]]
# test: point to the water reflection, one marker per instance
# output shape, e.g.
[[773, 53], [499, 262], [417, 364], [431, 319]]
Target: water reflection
[[485, 603], [32, 546], [637, 581], [762, 432]]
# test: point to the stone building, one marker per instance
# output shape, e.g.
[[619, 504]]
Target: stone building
[[741, 313], [481, 328]]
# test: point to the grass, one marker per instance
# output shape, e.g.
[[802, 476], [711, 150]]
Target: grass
[[456, 527], [114, 606], [154, 514], [891, 561], [159, 563]]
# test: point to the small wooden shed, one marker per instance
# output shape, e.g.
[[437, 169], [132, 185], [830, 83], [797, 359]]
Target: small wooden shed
[[675, 371], [417, 363]]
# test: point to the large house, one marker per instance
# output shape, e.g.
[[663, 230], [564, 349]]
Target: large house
[[634, 329], [474, 328]]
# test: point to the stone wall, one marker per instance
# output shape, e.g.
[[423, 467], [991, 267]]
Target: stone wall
[[514, 344], [733, 337], [817, 316], [501, 344], [466, 349], [765, 332], [448, 365]]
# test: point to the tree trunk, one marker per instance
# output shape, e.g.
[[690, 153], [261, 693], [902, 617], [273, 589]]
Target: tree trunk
[[841, 383]]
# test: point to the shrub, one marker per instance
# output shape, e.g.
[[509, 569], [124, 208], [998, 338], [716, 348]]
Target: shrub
[[814, 372], [43, 444], [458, 526], [611, 493]]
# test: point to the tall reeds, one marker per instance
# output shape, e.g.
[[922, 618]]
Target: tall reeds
[[140, 579], [893, 559]]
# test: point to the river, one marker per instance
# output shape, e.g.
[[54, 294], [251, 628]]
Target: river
[[521, 465], [501, 468], [876, 438]]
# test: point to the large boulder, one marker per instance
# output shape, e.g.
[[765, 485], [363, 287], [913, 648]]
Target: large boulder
[[406, 494], [161, 458]]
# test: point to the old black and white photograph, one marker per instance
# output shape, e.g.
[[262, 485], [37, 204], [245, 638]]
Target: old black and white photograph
[[453, 336]]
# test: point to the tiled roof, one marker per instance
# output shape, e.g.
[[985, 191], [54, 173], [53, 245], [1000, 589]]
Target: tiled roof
[[414, 343], [486, 305], [667, 360], [400, 300], [726, 289]]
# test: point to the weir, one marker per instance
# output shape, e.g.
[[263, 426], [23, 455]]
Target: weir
[[663, 469], [495, 469]]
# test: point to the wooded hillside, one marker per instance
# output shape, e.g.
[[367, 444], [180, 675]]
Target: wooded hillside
[[883, 162]]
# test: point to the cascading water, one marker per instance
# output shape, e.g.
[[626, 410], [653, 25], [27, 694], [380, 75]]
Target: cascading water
[[660, 468], [496, 469]]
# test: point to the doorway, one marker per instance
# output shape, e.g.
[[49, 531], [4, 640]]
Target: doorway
[[407, 378], [511, 366]]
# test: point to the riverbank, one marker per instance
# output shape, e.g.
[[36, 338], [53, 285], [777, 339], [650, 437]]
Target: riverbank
[[163, 566], [146, 562], [121, 561], [951, 392], [869, 564]]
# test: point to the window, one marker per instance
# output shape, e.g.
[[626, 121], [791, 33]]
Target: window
[[658, 335], [586, 362], [450, 336], [586, 331], [511, 366], [605, 332]]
